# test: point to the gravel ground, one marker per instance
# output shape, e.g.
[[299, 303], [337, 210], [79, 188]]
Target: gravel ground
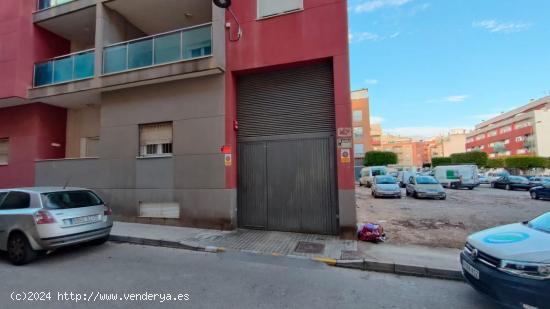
[[446, 223]]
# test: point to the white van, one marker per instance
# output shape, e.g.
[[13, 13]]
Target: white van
[[368, 174], [457, 176]]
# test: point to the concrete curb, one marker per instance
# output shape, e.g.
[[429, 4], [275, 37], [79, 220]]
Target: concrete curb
[[164, 243], [364, 265], [401, 269]]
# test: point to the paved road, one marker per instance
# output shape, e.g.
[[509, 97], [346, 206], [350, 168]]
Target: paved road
[[228, 280]]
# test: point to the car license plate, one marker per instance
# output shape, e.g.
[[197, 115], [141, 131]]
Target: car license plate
[[82, 220], [470, 269]]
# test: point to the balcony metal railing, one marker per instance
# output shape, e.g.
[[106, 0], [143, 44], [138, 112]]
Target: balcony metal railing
[[174, 46], [46, 4], [76, 66]]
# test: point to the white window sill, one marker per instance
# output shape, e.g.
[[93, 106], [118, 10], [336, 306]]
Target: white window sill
[[155, 156]]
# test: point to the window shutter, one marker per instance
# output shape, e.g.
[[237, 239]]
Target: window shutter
[[274, 7], [153, 134]]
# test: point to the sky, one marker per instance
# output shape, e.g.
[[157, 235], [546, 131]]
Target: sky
[[434, 65]]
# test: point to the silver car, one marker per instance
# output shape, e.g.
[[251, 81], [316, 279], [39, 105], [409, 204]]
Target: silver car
[[386, 186], [44, 219]]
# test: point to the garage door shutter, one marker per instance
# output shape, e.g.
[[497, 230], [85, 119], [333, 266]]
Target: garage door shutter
[[293, 101]]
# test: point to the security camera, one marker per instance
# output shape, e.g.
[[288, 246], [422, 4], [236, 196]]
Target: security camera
[[224, 4]]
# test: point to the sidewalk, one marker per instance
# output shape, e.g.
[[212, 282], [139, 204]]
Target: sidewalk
[[407, 260]]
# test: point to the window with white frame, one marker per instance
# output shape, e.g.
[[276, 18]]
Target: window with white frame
[[357, 115], [358, 132], [520, 138], [268, 8], [4, 151], [155, 139], [359, 149]]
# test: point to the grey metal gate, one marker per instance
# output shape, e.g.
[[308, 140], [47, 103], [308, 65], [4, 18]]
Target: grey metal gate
[[286, 151]]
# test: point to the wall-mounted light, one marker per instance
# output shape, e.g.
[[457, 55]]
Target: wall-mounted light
[[226, 4]]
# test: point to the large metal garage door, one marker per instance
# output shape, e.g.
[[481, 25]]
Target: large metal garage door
[[286, 150]]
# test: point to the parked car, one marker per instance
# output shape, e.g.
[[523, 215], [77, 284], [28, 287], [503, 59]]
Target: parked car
[[425, 187], [540, 192], [512, 183], [457, 176], [404, 176], [385, 186], [495, 176], [511, 263], [538, 180], [484, 180], [41, 219], [368, 174]]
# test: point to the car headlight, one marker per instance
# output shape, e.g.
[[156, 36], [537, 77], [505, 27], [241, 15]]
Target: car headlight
[[540, 271]]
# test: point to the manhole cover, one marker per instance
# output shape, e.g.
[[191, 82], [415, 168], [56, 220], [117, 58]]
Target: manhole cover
[[309, 247]]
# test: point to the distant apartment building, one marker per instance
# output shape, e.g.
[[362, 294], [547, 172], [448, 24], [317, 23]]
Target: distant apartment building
[[361, 123], [522, 131], [175, 112], [376, 135], [445, 146], [409, 152]]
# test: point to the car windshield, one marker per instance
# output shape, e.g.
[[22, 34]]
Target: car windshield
[[518, 179], [386, 180], [70, 199], [425, 180], [541, 223], [378, 172]]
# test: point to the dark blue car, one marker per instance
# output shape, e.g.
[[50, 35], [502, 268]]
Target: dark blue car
[[541, 192]]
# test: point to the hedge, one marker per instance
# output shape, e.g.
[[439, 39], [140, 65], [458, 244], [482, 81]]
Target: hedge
[[437, 161], [377, 158], [495, 163], [523, 162], [478, 158]]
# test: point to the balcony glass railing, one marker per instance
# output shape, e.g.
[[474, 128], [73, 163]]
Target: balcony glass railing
[[65, 69], [45, 4], [178, 45]]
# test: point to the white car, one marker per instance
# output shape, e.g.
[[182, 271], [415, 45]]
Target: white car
[[44, 219], [511, 263], [368, 174]]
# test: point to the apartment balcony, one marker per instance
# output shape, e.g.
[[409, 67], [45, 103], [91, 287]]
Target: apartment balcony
[[48, 9], [64, 69], [125, 48]]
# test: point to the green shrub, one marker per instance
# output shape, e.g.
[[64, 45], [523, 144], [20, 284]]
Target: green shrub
[[437, 161], [523, 162], [495, 163], [478, 158], [376, 158]]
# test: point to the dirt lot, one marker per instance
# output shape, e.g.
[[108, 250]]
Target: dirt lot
[[446, 223]]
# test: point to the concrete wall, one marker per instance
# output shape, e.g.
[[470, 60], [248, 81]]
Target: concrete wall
[[192, 177], [117, 29], [542, 132], [81, 122]]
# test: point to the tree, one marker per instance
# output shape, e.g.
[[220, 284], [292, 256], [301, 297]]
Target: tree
[[495, 163], [524, 162], [478, 158], [437, 161], [376, 158]]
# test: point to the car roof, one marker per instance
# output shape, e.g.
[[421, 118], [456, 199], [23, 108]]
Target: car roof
[[44, 189]]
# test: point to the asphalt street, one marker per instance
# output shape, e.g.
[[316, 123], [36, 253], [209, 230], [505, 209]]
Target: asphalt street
[[153, 277]]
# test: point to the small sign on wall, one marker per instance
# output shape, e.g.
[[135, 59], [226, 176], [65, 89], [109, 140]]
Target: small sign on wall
[[345, 132], [345, 142], [228, 160], [345, 155]]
